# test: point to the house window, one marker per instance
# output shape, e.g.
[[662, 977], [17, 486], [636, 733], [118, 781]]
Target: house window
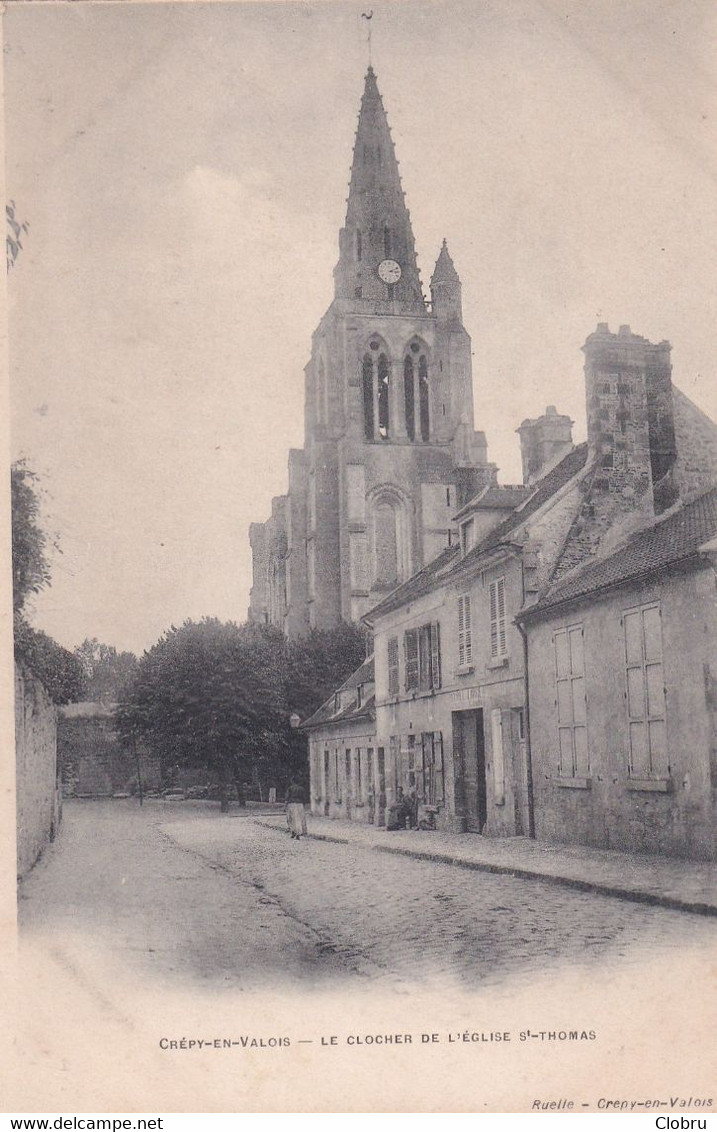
[[349, 791], [467, 536], [359, 696], [359, 785], [645, 692], [422, 653], [393, 666], [498, 639], [571, 702], [465, 633]]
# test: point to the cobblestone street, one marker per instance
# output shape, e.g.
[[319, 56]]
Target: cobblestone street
[[186, 893]]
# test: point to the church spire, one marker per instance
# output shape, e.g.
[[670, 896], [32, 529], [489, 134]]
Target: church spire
[[377, 234]]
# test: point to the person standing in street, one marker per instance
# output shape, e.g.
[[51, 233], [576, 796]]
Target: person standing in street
[[295, 812]]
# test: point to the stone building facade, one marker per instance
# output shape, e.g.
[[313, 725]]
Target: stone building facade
[[391, 453], [622, 693], [471, 686], [38, 792]]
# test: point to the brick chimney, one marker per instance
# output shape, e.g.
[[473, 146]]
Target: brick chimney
[[542, 441], [631, 433]]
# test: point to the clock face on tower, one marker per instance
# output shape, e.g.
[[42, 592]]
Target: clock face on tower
[[389, 271]]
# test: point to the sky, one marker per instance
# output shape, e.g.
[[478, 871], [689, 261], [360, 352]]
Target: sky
[[184, 170]]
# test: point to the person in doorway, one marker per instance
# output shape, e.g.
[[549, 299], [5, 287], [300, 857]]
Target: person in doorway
[[295, 812]]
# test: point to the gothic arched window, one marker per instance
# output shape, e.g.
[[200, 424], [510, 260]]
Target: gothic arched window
[[389, 536], [409, 397], [367, 373], [383, 396], [385, 545], [423, 397]]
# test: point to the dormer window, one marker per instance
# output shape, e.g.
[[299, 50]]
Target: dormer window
[[467, 536], [359, 696]]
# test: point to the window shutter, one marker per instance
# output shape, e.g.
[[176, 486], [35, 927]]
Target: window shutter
[[438, 765], [435, 654], [461, 632], [468, 631], [498, 757], [393, 674], [502, 642], [493, 619], [410, 645]]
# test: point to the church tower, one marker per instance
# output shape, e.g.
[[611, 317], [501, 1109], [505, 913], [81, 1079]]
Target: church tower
[[391, 453]]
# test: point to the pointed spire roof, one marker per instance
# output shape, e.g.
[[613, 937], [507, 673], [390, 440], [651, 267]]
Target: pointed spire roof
[[444, 271], [378, 224]]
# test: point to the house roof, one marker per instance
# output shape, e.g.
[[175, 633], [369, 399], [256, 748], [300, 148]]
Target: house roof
[[328, 713], [674, 538], [450, 561], [417, 584], [496, 496], [543, 490]]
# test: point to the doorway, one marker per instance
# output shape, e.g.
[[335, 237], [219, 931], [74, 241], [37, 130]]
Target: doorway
[[469, 758]]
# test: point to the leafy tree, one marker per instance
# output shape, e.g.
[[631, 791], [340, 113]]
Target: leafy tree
[[107, 672], [318, 664], [53, 665], [222, 695], [56, 667], [212, 693], [30, 565]]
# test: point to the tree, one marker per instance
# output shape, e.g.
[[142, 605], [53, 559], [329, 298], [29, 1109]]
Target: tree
[[318, 664], [211, 693], [30, 565], [107, 672], [54, 666]]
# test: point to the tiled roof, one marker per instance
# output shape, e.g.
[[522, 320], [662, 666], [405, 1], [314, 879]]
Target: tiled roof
[[543, 490], [499, 496], [673, 538], [449, 561], [364, 674], [327, 713], [417, 584]]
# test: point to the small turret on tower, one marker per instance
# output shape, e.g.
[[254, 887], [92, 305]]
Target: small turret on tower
[[446, 288]]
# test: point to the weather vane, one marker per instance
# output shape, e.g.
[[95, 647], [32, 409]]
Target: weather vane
[[368, 16]]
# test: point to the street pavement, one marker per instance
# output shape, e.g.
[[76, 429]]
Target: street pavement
[[184, 895]]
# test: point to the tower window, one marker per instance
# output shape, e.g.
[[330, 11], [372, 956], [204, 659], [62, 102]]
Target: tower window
[[409, 397], [368, 423], [387, 241], [358, 244], [423, 397], [383, 401], [374, 344], [415, 347], [358, 292]]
